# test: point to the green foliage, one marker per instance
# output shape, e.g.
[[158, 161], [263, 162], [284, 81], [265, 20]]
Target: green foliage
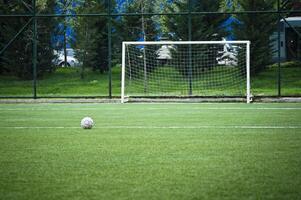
[[176, 27], [91, 36], [203, 28], [289, 5], [257, 28], [133, 28], [17, 59]]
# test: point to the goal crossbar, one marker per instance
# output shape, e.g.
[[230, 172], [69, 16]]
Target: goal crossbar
[[185, 42]]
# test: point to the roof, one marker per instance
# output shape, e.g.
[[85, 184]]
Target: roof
[[293, 21]]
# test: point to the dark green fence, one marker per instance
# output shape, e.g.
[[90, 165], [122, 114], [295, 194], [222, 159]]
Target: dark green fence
[[36, 38]]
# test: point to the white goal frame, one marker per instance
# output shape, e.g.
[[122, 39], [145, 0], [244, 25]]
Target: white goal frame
[[247, 43]]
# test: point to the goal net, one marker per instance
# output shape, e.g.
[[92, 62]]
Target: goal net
[[185, 69]]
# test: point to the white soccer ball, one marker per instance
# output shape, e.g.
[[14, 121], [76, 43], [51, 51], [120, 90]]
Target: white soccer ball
[[87, 123]]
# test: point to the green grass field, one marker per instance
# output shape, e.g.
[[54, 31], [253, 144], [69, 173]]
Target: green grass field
[[150, 151]]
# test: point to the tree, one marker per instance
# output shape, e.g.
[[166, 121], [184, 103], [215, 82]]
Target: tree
[[65, 25], [203, 28], [17, 59], [143, 28], [17, 52], [257, 28], [291, 5], [91, 37], [133, 28]]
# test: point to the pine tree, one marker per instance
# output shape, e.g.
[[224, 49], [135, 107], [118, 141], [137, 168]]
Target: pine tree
[[46, 30], [203, 28], [290, 5], [17, 59], [257, 28], [64, 29], [134, 28], [91, 37]]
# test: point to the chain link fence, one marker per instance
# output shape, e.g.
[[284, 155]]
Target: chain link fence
[[72, 48]]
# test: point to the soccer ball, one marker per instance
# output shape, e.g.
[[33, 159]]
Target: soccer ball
[[87, 123]]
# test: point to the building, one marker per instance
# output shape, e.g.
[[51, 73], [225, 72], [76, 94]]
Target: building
[[290, 39]]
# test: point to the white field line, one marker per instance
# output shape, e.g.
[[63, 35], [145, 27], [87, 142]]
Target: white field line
[[155, 127], [130, 108]]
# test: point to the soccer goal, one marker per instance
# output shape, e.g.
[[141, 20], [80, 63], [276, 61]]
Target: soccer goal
[[166, 69]]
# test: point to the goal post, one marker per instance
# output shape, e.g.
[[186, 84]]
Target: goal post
[[173, 69]]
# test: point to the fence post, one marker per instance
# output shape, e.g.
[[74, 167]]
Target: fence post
[[279, 49], [190, 53], [110, 48], [34, 50]]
